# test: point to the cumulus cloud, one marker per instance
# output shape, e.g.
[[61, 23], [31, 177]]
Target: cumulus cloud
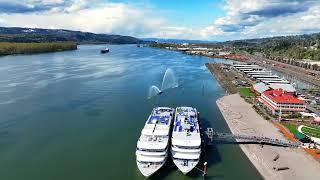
[[247, 13], [105, 19], [27, 6], [30, 6], [77, 5], [258, 18], [109, 18], [280, 8], [18, 8]]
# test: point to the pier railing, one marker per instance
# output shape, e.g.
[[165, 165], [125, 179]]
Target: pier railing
[[248, 139]]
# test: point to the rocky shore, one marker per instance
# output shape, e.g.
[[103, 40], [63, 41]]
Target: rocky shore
[[242, 119]]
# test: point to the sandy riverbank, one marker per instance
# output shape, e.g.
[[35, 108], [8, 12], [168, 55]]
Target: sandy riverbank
[[242, 119]]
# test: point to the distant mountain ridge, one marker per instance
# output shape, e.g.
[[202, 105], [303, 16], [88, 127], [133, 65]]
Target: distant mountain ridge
[[163, 40], [18, 34]]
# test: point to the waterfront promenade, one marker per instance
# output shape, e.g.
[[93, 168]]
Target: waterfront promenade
[[242, 119]]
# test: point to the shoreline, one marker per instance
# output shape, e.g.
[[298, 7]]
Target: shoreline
[[300, 73], [14, 48], [242, 119]]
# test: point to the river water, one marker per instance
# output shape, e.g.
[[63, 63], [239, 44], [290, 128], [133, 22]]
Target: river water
[[78, 114]]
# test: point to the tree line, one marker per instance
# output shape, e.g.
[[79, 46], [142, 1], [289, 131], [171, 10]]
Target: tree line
[[8, 48]]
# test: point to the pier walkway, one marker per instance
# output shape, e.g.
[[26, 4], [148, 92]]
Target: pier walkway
[[248, 139]]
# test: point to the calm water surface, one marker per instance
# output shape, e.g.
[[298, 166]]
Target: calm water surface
[[78, 114]]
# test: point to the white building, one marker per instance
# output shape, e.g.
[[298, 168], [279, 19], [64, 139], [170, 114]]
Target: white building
[[280, 102]]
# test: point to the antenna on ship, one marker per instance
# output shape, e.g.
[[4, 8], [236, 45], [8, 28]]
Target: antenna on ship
[[155, 125]]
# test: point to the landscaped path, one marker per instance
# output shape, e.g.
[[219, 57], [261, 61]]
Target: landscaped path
[[315, 139]]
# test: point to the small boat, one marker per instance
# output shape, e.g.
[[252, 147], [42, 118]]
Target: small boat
[[103, 51], [152, 146]]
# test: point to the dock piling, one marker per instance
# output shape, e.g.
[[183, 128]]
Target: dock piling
[[205, 168]]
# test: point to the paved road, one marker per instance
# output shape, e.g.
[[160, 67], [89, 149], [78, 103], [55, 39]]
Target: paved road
[[313, 109]]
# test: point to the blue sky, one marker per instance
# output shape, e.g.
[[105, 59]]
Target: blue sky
[[184, 19], [188, 12]]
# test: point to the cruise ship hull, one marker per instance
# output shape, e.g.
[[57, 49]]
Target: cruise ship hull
[[152, 146], [186, 139], [148, 169], [185, 165]]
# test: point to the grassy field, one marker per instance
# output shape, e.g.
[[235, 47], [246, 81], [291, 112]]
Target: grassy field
[[292, 127], [8, 48], [311, 131], [246, 92]]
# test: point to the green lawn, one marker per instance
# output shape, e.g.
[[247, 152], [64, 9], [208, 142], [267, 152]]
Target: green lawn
[[246, 92], [292, 127], [311, 131]]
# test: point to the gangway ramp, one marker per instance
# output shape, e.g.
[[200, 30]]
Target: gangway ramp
[[239, 138]]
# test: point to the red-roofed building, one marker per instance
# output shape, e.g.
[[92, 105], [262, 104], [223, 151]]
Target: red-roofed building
[[277, 99]]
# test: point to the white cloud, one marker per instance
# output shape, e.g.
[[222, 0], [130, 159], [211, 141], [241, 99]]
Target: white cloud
[[44, 2], [77, 5], [110, 18], [304, 22], [261, 18], [210, 31]]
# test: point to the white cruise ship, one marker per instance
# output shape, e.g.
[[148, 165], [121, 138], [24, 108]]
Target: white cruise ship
[[186, 139], [153, 144]]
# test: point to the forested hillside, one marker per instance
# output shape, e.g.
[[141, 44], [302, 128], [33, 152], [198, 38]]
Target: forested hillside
[[16, 34], [292, 47]]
